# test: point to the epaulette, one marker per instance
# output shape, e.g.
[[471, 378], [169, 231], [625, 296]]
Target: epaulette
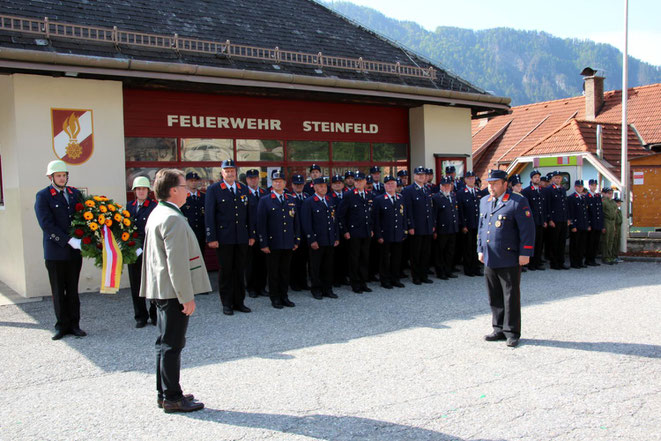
[[506, 197], [223, 186]]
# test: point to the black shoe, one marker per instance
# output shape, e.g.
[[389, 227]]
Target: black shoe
[[512, 342], [540, 268], [357, 290], [276, 304], [530, 267], [306, 287], [452, 276], [159, 400], [478, 273], [583, 265], [576, 266], [295, 288], [593, 264], [288, 303], [78, 332], [253, 294], [443, 277], [317, 295], [417, 282], [386, 286], [331, 295], [183, 405], [523, 269], [469, 274], [495, 336], [227, 310], [398, 284], [563, 267], [242, 308], [373, 279], [427, 281], [337, 284], [141, 324], [58, 335], [366, 289]]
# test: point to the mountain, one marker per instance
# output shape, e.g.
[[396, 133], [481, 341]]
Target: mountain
[[527, 66]]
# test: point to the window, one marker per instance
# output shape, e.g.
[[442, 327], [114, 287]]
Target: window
[[389, 152], [206, 150], [259, 150], [307, 151], [150, 149], [351, 151]]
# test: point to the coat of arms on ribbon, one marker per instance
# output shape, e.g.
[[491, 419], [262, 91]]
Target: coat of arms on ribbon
[[73, 134]]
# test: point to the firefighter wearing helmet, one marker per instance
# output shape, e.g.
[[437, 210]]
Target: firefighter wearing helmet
[[54, 207]]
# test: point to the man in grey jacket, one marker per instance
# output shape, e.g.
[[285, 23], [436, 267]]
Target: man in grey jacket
[[172, 273]]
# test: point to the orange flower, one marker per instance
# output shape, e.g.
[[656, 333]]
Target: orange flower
[[88, 215], [111, 207], [97, 198], [126, 213], [101, 219], [108, 223], [117, 217], [127, 222], [90, 203], [94, 226], [102, 208], [125, 236]]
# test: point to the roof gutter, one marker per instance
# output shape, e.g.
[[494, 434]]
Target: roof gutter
[[53, 61]]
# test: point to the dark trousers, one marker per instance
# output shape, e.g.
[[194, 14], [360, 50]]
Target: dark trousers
[[321, 270], [557, 243], [232, 259], [359, 255], [373, 259], [548, 244], [299, 267], [471, 264], [420, 250], [278, 264], [140, 312], [504, 288], [592, 248], [577, 245], [63, 276], [172, 325], [340, 262], [390, 256], [444, 254], [256, 269], [536, 259]]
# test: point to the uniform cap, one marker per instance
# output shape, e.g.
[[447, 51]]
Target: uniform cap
[[450, 169], [228, 163], [319, 180], [607, 190], [141, 181], [469, 174], [252, 173], [555, 173], [544, 178], [298, 179], [535, 172], [402, 173], [192, 175], [617, 200], [369, 179], [278, 175], [420, 171], [447, 180], [336, 178], [495, 175], [389, 178], [359, 176], [375, 169], [515, 179], [348, 174], [314, 167], [579, 182], [592, 182], [399, 182], [57, 166]]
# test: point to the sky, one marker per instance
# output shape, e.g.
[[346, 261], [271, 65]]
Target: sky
[[601, 21]]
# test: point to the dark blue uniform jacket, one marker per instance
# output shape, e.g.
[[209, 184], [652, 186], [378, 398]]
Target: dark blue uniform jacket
[[556, 204], [355, 214], [537, 203], [54, 216], [578, 212], [595, 211], [419, 208], [278, 225], [227, 216], [141, 215], [469, 208], [446, 214], [319, 221], [390, 219]]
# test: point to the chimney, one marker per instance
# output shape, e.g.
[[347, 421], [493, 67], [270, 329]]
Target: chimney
[[593, 86]]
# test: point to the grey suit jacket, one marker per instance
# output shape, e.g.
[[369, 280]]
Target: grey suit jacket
[[172, 265]]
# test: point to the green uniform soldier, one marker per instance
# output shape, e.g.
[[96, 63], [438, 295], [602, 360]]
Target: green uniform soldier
[[618, 230], [610, 219]]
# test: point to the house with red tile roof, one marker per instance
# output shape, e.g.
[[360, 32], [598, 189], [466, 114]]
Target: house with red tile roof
[[580, 136]]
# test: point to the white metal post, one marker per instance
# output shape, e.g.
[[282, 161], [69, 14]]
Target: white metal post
[[624, 233]]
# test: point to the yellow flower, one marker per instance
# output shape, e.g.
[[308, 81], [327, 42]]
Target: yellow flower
[[97, 198], [108, 222], [90, 203], [101, 219], [125, 236], [88, 215], [111, 207], [126, 213], [127, 222], [102, 208], [104, 199], [117, 217], [94, 226]]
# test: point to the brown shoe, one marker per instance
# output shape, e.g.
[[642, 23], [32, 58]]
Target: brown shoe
[[159, 400], [183, 405]]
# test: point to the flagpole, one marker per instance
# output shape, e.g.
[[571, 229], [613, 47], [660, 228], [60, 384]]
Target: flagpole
[[624, 162]]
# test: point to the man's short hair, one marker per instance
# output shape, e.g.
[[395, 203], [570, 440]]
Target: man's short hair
[[166, 179]]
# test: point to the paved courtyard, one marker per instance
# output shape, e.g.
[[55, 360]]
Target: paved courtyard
[[406, 364]]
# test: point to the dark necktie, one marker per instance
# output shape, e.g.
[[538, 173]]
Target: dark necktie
[[232, 190], [495, 202]]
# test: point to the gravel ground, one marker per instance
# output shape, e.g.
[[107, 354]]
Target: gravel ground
[[403, 364]]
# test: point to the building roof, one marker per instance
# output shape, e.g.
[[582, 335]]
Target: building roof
[[295, 25], [560, 126]]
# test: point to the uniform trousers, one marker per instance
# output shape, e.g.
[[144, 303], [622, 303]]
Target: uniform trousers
[[63, 276], [172, 326], [140, 312], [278, 264], [298, 279], [592, 247], [470, 261], [536, 259], [340, 262], [420, 250], [577, 245], [321, 270], [504, 288], [373, 259], [557, 241], [444, 254], [256, 269], [231, 287], [390, 257], [607, 241], [359, 255]]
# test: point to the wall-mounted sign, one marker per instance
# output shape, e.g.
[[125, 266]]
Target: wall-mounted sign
[[638, 178], [73, 134]]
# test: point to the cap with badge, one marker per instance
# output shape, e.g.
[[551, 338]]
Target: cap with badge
[[375, 169], [420, 171], [228, 163], [399, 182], [578, 183], [402, 173], [555, 173], [389, 178], [319, 180], [446, 180], [315, 167], [252, 173], [450, 169], [278, 175], [515, 179], [349, 174], [369, 179], [544, 178], [336, 178], [592, 182], [469, 174], [495, 175], [359, 176], [192, 175], [535, 172], [298, 179], [607, 190]]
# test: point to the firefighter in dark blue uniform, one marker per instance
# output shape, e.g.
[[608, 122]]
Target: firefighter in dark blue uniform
[[469, 215], [340, 261], [54, 208], [255, 259], [403, 175], [421, 225], [506, 241], [446, 219], [349, 181], [579, 228], [557, 217], [355, 225], [278, 230], [315, 172], [535, 197], [230, 233], [193, 209], [299, 262], [319, 223], [596, 213], [140, 209], [433, 188], [377, 186], [390, 227]]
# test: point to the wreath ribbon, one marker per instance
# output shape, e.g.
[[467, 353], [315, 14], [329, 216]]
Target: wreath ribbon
[[112, 263]]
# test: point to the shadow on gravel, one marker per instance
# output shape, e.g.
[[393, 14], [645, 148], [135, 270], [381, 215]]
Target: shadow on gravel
[[324, 427], [635, 349]]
